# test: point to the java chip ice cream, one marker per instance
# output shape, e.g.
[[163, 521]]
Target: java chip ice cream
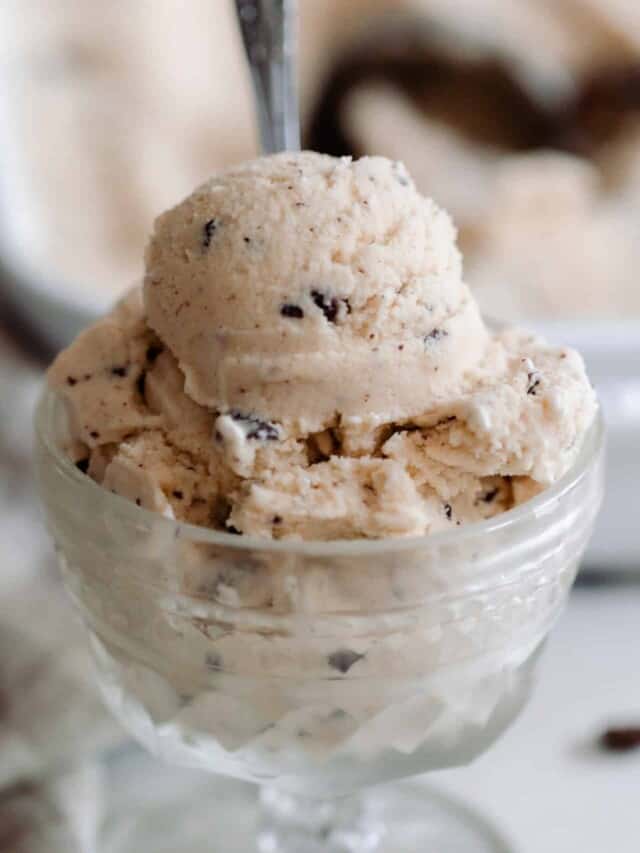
[[305, 361]]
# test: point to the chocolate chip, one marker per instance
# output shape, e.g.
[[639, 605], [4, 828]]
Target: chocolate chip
[[141, 383], [138, 502], [263, 432], [448, 511], [621, 739], [82, 465], [209, 230], [490, 496], [289, 310], [343, 660], [153, 351], [328, 305], [234, 530], [213, 661], [257, 429], [119, 370], [533, 381], [177, 494], [277, 519], [247, 239], [434, 336], [94, 434], [71, 381]]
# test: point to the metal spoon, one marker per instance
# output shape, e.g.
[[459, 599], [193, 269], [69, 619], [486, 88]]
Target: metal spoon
[[269, 33]]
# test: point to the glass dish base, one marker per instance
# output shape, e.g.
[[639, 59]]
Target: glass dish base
[[154, 807]]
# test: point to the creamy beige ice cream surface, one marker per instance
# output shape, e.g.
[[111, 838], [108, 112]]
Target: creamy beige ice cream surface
[[279, 276], [307, 362]]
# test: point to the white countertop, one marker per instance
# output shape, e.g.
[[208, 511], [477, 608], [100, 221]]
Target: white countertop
[[545, 785]]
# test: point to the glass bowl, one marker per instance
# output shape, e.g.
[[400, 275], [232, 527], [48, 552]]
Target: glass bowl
[[314, 668]]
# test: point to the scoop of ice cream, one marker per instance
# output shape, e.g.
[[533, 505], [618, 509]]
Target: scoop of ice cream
[[296, 287], [101, 375], [308, 363]]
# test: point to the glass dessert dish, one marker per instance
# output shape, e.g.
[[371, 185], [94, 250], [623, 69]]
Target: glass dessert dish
[[318, 668]]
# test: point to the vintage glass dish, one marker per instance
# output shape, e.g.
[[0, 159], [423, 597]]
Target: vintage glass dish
[[318, 668]]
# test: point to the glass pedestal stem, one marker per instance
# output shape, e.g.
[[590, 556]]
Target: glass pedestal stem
[[292, 824]]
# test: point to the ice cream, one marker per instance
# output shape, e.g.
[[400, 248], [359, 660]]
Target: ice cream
[[306, 361]]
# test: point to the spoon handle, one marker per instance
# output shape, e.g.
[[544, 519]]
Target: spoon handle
[[269, 33]]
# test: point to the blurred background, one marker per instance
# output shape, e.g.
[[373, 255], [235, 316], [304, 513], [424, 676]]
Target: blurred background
[[522, 118]]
